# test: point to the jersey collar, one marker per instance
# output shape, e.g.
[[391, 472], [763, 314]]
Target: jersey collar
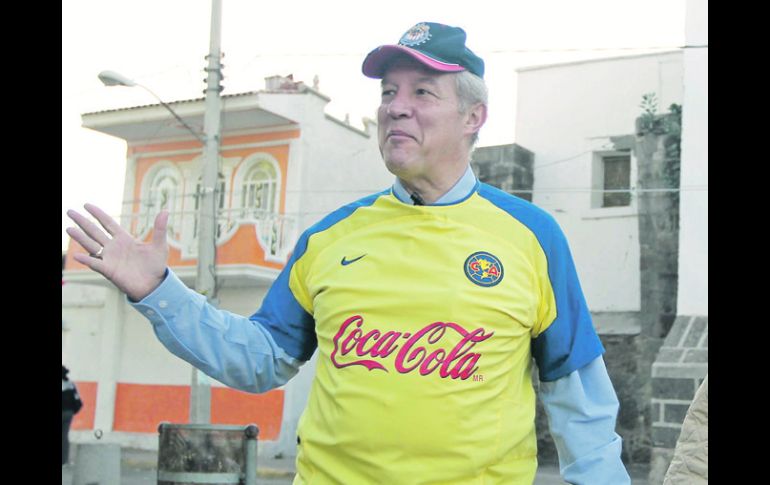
[[461, 190]]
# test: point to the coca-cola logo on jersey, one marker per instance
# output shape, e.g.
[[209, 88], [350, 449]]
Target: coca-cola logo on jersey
[[420, 352]]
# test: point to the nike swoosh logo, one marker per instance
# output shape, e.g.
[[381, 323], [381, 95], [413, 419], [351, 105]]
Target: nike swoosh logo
[[346, 262]]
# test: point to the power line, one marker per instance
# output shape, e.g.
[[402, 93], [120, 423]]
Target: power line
[[577, 190], [255, 57], [488, 51], [582, 49], [538, 167], [370, 192], [545, 190]]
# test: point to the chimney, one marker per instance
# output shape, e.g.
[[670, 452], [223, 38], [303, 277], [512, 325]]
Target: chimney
[[282, 83]]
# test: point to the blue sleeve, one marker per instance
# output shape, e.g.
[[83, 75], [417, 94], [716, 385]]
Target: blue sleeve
[[230, 348], [582, 409], [570, 342], [292, 328]]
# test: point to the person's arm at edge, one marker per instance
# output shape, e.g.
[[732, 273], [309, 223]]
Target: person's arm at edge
[[582, 409]]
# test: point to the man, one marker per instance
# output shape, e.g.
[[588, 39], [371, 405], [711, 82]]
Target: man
[[426, 303]]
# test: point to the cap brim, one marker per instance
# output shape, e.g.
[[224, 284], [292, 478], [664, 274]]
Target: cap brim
[[375, 63]]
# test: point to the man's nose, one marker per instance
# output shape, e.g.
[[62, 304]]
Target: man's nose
[[399, 107]]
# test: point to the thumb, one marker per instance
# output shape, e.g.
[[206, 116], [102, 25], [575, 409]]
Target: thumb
[[159, 230]]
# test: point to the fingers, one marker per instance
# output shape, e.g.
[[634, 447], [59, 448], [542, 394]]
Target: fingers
[[88, 228], [110, 225], [95, 264], [159, 230], [82, 239]]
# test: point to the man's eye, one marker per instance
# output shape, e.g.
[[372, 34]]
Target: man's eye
[[388, 92], [421, 91]]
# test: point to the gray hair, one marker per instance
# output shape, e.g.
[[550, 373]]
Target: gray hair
[[471, 90]]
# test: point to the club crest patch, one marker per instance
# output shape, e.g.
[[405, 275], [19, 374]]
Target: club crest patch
[[483, 269], [417, 35]]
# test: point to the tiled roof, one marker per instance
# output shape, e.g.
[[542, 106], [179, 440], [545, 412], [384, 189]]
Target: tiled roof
[[173, 103]]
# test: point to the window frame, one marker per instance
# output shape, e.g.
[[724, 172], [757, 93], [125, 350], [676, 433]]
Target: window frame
[[598, 178]]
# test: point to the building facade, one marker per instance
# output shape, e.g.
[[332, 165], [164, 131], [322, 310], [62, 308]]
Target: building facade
[[579, 120], [604, 179]]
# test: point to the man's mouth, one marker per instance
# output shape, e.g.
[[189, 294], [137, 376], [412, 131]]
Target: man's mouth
[[398, 134]]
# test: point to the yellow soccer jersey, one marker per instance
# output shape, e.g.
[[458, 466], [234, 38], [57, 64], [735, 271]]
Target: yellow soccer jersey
[[426, 319]]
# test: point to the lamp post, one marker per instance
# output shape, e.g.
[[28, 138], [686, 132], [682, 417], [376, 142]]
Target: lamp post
[[112, 78], [205, 281]]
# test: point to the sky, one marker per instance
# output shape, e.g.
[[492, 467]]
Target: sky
[[162, 44]]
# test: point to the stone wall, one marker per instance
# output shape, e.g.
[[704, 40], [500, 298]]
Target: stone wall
[[629, 380], [658, 161], [680, 367], [507, 167]]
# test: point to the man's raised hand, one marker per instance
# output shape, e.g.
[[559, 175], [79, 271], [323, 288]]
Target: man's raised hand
[[134, 267]]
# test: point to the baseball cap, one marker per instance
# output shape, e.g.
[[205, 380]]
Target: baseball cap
[[437, 46]]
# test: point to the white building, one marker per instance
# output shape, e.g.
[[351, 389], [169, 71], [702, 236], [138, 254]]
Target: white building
[[693, 248], [578, 119], [284, 165]]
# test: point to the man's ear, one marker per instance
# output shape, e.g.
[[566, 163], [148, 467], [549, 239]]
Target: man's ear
[[475, 118]]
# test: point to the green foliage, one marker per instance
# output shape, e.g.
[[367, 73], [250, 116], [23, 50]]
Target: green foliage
[[649, 109], [672, 127], [660, 124], [672, 124], [669, 126]]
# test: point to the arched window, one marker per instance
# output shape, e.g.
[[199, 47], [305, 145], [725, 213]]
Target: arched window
[[258, 191], [163, 193]]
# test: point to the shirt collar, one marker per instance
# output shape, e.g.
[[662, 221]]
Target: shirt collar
[[459, 191]]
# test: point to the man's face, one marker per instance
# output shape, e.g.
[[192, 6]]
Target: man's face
[[420, 127]]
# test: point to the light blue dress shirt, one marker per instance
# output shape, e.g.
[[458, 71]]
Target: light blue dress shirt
[[581, 407]]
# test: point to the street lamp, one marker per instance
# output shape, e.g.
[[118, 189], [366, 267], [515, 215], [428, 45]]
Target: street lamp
[[112, 78], [205, 281]]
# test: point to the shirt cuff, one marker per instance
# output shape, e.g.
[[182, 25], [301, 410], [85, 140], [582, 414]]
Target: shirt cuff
[[165, 300], [582, 410]]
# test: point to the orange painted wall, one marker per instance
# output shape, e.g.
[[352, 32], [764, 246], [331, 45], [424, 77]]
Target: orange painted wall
[[84, 419], [242, 248], [230, 406], [279, 152], [140, 408]]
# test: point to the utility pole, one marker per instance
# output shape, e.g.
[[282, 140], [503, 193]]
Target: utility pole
[[205, 282]]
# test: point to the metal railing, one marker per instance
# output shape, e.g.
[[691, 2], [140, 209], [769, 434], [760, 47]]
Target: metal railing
[[276, 233]]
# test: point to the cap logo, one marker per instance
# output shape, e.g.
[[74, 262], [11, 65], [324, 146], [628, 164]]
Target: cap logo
[[417, 35]]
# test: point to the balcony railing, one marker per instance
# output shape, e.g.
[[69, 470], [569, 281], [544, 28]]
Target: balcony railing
[[275, 233]]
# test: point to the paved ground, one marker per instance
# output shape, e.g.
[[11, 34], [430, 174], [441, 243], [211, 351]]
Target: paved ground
[[139, 468]]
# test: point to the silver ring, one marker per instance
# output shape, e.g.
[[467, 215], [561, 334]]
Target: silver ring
[[98, 254]]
